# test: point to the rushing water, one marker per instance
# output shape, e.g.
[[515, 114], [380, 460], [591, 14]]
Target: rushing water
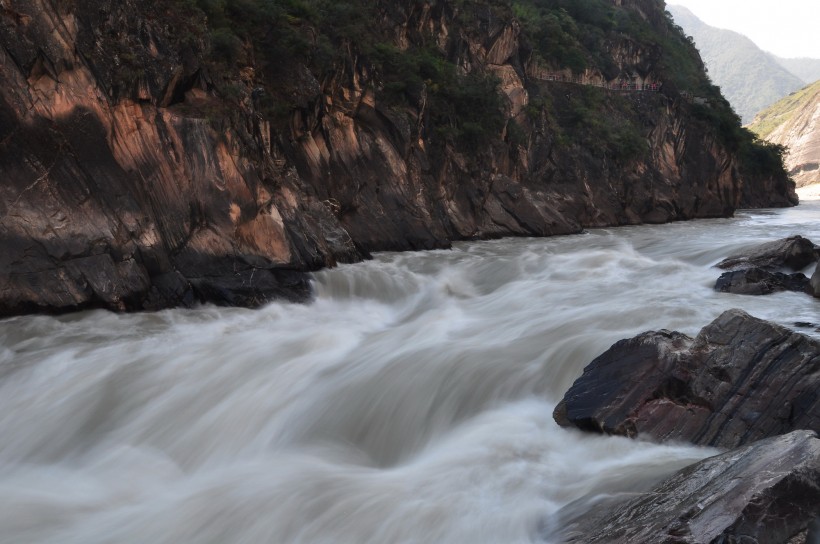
[[411, 402]]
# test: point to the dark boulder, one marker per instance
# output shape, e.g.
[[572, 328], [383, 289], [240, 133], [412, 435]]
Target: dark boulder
[[794, 252], [758, 281], [814, 283], [764, 493], [740, 380]]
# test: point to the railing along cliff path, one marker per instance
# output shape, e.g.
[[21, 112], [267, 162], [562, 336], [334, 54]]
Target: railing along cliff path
[[611, 86]]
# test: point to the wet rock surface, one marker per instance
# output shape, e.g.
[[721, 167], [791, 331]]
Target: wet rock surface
[[765, 269], [794, 253], [764, 493], [740, 380], [814, 282], [759, 281]]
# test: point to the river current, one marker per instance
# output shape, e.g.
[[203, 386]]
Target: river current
[[411, 402]]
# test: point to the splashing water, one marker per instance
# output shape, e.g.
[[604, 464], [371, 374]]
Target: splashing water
[[410, 402]]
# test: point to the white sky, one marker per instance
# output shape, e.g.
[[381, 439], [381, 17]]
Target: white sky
[[787, 28]]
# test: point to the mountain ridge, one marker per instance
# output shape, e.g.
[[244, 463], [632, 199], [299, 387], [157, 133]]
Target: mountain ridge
[[750, 78]]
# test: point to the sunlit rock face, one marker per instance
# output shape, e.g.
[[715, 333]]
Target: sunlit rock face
[[132, 181], [796, 125]]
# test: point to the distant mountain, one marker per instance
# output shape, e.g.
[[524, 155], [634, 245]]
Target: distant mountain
[[750, 78], [806, 69], [795, 122]]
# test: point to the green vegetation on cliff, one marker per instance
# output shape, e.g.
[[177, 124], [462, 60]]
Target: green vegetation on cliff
[[325, 35], [793, 123], [464, 106]]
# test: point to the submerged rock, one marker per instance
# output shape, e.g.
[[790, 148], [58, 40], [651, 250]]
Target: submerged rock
[[764, 493], [794, 252], [740, 380]]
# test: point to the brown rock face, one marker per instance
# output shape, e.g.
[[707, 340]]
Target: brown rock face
[[766, 493], [126, 203], [740, 380], [131, 182]]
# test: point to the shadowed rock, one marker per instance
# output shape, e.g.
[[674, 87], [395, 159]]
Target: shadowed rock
[[740, 380], [814, 283], [758, 281], [764, 493], [794, 252]]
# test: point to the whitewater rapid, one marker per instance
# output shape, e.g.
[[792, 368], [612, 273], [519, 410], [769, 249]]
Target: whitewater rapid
[[411, 402]]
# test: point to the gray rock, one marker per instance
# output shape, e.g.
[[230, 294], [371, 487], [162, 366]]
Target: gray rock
[[814, 283], [740, 380], [759, 281], [794, 252], [764, 493]]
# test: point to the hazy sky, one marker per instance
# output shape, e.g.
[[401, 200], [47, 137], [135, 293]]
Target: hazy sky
[[787, 28]]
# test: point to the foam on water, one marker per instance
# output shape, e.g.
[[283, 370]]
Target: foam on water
[[410, 402]]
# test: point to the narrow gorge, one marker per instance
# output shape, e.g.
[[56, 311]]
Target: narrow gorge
[[158, 154]]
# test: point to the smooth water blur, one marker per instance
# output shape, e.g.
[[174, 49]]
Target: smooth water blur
[[411, 402]]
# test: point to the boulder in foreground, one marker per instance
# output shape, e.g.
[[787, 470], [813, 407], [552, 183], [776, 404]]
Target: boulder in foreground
[[764, 493], [740, 380]]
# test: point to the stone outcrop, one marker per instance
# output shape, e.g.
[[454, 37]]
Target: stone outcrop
[[740, 380], [750, 78], [759, 281], [759, 271], [794, 253], [767, 493], [128, 203], [132, 181]]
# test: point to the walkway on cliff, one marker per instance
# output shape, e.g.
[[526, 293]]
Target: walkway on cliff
[[611, 86]]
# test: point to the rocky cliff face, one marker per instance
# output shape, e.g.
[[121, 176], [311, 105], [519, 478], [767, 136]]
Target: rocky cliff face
[[794, 122], [137, 175]]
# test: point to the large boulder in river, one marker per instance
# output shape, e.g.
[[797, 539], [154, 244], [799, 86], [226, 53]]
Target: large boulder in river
[[764, 493], [794, 252], [740, 380]]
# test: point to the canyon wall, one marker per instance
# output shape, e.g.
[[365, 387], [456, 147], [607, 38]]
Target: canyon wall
[[137, 174]]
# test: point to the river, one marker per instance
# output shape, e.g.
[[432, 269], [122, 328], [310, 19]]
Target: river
[[411, 402]]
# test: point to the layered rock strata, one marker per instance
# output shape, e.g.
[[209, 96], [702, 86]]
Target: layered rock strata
[[740, 380], [760, 270], [766, 493], [794, 253]]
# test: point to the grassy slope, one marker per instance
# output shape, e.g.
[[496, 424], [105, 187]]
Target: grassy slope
[[782, 111]]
